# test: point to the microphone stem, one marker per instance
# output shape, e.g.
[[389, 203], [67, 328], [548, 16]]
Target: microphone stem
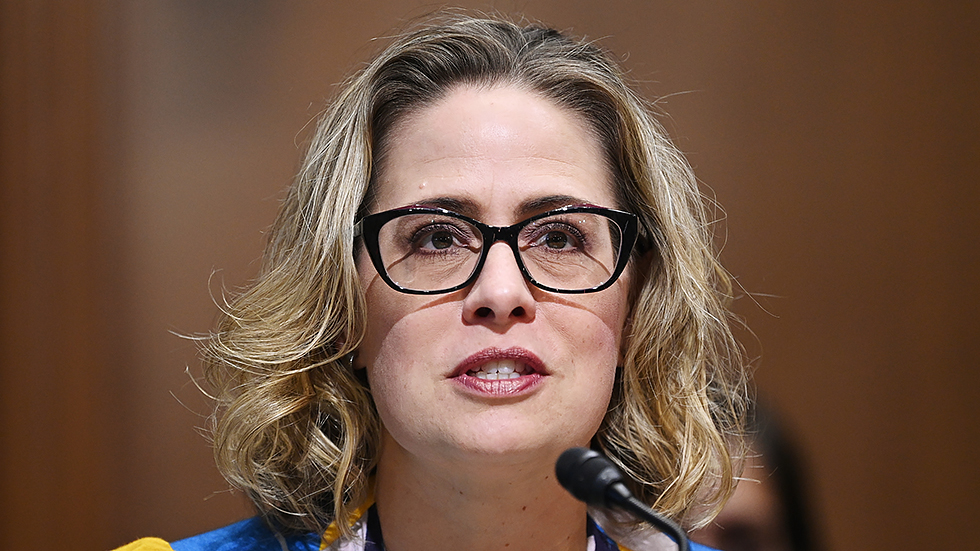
[[662, 523]]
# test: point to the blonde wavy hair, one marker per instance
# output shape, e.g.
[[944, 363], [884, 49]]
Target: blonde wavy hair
[[295, 427]]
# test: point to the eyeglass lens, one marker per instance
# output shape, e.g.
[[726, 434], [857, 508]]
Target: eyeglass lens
[[570, 251]]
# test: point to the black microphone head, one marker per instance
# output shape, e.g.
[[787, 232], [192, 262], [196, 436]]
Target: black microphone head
[[589, 476], [594, 479]]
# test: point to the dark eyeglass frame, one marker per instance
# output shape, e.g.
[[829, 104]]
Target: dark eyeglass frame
[[370, 226]]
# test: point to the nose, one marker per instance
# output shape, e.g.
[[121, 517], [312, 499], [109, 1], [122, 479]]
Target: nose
[[500, 296]]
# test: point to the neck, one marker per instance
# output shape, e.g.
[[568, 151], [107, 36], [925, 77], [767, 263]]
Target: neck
[[476, 506]]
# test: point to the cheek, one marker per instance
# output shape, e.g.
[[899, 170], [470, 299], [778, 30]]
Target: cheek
[[603, 341], [592, 336], [604, 332], [398, 342], [383, 309], [385, 337], [385, 353]]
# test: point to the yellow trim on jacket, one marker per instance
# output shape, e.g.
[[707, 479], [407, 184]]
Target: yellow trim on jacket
[[147, 544]]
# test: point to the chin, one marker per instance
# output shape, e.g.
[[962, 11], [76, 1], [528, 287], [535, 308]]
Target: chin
[[517, 444]]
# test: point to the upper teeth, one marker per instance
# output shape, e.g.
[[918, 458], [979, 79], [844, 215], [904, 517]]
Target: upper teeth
[[500, 369]]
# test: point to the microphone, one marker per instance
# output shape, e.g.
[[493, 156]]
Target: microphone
[[594, 479]]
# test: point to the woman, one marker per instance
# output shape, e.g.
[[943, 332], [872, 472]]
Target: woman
[[492, 253]]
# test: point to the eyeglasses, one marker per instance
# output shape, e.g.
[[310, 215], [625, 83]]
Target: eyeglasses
[[426, 251]]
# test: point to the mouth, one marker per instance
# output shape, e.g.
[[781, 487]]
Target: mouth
[[497, 372], [493, 364], [501, 369]]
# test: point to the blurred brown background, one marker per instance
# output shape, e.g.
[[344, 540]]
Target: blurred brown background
[[144, 146]]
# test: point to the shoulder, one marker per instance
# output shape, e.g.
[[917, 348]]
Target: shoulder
[[247, 535]]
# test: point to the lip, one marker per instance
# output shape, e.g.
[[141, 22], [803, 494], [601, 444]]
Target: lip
[[499, 387], [487, 355]]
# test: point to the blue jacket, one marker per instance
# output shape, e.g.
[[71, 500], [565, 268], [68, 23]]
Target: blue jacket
[[254, 535]]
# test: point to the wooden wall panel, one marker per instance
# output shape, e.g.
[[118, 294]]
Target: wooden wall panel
[[57, 449]]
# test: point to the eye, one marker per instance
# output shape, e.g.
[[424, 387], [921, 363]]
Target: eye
[[437, 240], [441, 236], [556, 236], [556, 240]]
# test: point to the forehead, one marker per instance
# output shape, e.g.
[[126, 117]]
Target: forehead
[[493, 152]]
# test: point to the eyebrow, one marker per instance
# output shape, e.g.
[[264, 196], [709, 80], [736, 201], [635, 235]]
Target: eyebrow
[[548, 202], [468, 207]]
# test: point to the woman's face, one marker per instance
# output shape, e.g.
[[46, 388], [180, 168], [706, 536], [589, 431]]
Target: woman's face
[[498, 155]]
